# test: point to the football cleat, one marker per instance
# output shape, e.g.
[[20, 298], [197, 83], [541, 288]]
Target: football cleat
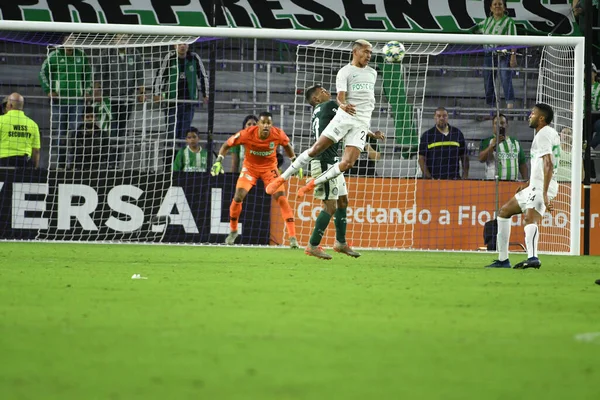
[[345, 249], [531, 262], [275, 183], [230, 239], [294, 243], [316, 251], [499, 264], [308, 188]]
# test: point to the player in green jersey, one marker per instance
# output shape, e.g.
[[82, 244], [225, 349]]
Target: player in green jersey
[[334, 192]]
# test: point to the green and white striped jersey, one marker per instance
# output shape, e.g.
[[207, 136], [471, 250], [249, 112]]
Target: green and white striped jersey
[[491, 26], [510, 155], [187, 160]]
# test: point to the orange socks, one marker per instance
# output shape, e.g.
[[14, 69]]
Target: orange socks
[[288, 215], [235, 209]]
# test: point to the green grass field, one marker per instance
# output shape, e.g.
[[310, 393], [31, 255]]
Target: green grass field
[[246, 323]]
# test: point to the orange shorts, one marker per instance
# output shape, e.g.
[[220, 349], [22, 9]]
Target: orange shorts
[[249, 177]]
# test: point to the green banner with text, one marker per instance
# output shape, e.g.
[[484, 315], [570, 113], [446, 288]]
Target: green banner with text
[[449, 16]]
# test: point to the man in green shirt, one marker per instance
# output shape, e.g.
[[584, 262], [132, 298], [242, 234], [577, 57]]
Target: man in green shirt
[[193, 157], [508, 151], [19, 136], [66, 77]]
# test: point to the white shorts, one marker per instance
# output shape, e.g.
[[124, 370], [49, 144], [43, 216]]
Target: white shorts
[[345, 126], [532, 197], [330, 190]]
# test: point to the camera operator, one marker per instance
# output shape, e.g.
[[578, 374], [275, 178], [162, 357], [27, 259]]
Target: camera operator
[[503, 151]]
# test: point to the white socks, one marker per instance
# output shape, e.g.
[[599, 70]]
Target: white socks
[[503, 238], [328, 175], [532, 237], [296, 165]]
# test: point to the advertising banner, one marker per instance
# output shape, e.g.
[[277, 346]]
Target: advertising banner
[[90, 207], [432, 214], [450, 16]]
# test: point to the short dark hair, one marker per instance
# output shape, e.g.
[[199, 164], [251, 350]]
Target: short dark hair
[[193, 130], [547, 112], [88, 110], [440, 108], [265, 114], [310, 91], [500, 116], [248, 118]]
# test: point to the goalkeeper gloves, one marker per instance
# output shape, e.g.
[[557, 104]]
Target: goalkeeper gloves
[[217, 168]]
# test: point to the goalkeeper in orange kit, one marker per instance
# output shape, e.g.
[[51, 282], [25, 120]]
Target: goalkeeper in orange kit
[[260, 162]]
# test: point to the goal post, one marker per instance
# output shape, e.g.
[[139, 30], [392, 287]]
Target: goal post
[[396, 210]]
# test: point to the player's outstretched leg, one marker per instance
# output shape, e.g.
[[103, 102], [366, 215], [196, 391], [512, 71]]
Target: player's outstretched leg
[[333, 172], [298, 163], [308, 188]]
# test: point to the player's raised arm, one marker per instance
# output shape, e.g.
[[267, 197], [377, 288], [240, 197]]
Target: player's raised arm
[[217, 167], [289, 151]]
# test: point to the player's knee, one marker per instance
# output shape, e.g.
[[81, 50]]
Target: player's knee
[[329, 207], [504, 212], [342, 202]]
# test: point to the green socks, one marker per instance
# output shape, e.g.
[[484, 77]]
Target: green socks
[[340, 225], [320, 226]]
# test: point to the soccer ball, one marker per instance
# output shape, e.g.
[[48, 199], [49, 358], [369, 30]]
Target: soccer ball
[[393, 51]]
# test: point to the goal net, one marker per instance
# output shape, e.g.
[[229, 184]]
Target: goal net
[[118, 117], [390, 204], [113, 133]]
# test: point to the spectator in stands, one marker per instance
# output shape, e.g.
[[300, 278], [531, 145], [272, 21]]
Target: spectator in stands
[[237, 152], [91, 147], [181, 80], [498, 23], [119, 82], [66, 78], [510, 154], [19, 136], [191, 158], [366, 163], [3, 105], [442, 149]]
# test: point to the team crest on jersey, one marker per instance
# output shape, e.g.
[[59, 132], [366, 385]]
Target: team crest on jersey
[[78, 59], [191, 67], [272, 145]]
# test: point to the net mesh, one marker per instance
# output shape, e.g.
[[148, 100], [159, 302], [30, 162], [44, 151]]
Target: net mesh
[[113, 126], [118, 183]]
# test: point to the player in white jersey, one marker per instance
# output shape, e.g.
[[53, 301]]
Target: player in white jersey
[[355, 85], [534, 199]]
